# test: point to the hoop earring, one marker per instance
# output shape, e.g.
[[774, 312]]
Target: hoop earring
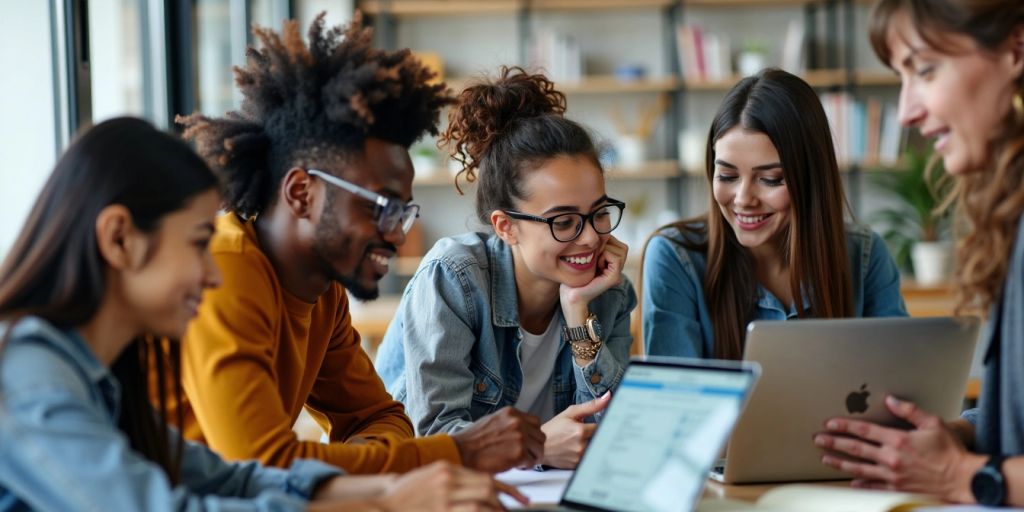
[[1018, 106]]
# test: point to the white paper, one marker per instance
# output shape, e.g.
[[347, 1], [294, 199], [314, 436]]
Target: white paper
[[542, 487]]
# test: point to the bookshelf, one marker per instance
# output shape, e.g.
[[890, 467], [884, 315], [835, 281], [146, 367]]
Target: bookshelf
[[597, 84], [439, 7], [649, 171], [642, 33]]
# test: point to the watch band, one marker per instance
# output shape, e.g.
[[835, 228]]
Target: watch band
[[584, 340], [572, 334], [988, 485]]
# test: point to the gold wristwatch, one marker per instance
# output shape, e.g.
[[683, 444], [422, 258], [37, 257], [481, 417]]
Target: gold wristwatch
[[585, 340]]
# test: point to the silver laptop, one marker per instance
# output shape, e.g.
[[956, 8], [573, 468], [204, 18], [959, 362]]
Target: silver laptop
[[817, 369], [662, 432]]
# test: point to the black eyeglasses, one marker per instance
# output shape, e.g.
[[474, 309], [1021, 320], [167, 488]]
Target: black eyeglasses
[[390, 213], [566, 227]]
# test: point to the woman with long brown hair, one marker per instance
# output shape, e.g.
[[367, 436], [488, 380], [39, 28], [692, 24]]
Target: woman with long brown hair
[[775, 243], [961, 64], [112, 261]]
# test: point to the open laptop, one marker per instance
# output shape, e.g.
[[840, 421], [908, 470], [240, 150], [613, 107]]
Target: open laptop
[[660, 435], [817, 369]]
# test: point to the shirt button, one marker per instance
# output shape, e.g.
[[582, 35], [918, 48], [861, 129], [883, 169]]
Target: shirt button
[[595, 378], [481, 387]]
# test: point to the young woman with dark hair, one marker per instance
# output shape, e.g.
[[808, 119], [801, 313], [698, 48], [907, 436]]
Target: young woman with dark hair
[[775, 243], [535, 314], [111, 264], [961, 64]]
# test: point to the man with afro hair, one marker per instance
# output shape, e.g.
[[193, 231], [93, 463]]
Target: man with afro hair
[[318, 184]]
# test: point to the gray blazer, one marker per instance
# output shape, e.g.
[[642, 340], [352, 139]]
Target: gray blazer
[[1000, 427]]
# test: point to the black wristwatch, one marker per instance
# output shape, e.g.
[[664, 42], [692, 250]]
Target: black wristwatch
[[988, 484]]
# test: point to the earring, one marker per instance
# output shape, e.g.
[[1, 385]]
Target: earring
[[1018, 106]]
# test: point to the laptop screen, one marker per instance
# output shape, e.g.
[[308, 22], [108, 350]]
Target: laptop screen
[[659, 437]]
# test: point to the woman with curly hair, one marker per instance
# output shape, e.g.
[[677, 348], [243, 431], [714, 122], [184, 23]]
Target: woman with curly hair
[[319, 195], [961, 63], [535, 314]]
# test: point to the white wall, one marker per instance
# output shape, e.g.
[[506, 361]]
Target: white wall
[[27, 141], [338, 11]]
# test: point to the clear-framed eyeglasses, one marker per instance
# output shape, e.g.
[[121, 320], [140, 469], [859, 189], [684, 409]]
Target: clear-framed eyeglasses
[[389, 212], [566, 227]]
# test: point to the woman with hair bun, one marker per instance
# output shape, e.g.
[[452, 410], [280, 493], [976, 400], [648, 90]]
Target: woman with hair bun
[[536, 313]]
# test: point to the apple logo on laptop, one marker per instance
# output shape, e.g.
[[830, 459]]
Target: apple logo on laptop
[[857, 401]]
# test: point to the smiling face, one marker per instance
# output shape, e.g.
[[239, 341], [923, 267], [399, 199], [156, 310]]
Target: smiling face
[[959, 95], [749, 188], [166, 289], [562, 184], [348, 245]]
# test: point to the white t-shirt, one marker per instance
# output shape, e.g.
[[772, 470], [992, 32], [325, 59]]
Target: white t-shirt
[[537, 354]]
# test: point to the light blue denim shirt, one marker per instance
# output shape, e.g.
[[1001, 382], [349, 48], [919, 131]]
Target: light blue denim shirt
[[451, 354], [676, 320], [61, 449]]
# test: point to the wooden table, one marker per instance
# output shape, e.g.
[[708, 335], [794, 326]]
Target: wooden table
[[751, 492]]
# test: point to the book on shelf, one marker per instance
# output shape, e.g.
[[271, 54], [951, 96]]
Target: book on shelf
[[822, 498], [703, 56], [863, 132], [793, 48], [558, 54]]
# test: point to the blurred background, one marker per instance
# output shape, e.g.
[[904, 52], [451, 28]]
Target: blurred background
[[646, 76]]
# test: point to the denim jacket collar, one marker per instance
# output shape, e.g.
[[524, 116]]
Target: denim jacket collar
[[71, 345], [504, 295], [767, 300], [69, 342]]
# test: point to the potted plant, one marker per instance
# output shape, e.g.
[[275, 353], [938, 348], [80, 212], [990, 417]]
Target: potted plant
[[916, 232]]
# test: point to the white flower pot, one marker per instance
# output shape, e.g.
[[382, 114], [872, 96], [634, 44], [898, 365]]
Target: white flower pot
[[932, 262]]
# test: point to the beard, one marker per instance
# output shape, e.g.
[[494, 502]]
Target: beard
[[327, 250]]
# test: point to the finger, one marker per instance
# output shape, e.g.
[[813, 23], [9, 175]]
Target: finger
[[529, 419], [590, 407], [615, 247], [910, 412], [472, 487], [615, 242], [860, 470], [860, 483], [512, 491], [865, 430], [849, 446]]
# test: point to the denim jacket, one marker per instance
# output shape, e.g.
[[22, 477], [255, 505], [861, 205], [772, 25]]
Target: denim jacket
[[61, 449], [676, 320], [451, 354]]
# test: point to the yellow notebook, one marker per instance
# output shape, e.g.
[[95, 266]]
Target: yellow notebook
[[822, 498]]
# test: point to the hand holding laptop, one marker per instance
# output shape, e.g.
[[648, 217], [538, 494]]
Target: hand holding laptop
[[927, 459]]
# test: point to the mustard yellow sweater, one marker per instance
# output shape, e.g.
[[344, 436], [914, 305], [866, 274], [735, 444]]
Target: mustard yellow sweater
[[256, 355]]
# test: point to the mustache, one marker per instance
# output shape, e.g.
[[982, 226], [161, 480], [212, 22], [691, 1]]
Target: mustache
[[386, 246]]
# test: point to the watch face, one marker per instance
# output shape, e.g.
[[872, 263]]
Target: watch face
[[987, 486], [595, 328]]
